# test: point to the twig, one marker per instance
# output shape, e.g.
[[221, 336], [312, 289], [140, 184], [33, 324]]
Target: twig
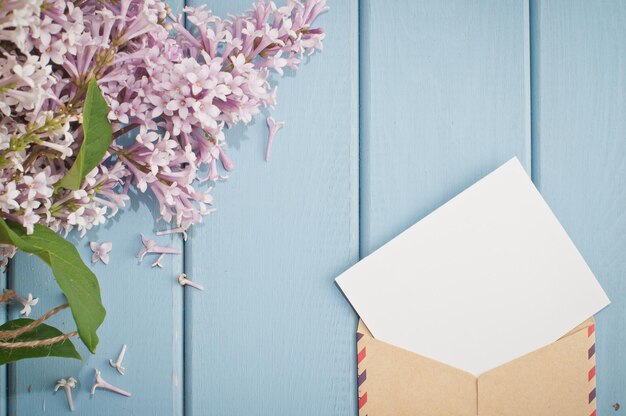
[[124, 130]]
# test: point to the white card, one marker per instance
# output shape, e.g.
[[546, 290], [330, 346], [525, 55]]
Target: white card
[[486, 278]]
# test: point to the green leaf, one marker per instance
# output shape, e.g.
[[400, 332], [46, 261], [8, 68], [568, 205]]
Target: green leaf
[[60, 349], [97, 136], [76, 280]]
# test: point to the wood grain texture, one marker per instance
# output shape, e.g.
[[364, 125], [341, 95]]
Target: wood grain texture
[[579, 158], [445, 99], [144, 310], [272, 334]]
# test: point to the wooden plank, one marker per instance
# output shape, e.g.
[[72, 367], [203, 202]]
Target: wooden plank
[[445, 100], [272, 334], [579, 102], [144, 310]]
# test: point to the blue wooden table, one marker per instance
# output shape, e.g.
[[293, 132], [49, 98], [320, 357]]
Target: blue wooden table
[[409, 103]]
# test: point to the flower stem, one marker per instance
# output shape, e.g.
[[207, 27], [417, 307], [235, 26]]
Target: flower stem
[[125, 130]]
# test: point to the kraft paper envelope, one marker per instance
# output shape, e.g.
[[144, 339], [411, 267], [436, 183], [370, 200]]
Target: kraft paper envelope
[[556, 380], [481, 308]]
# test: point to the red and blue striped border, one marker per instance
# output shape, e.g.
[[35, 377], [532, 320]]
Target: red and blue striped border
[[591, 375], [363, 375]]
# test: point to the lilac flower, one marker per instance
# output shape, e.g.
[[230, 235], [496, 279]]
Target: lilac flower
[[6, 252], [174, 89], [29, 219], [103, 384], [37, 186], [100, 251], [27, 303], [45, 30], [150, 246], [226, 162], [67, 385], [119, 112], [8, 196], [273, 126]]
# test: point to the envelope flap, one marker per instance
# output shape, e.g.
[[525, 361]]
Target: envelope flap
[[558, 379], [587, 324], [393, 381]]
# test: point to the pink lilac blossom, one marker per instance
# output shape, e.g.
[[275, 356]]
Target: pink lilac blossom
[[100, 251], [272, 127], [174, 88]]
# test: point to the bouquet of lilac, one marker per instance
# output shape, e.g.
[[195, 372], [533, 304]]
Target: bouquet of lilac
[[79, 79]]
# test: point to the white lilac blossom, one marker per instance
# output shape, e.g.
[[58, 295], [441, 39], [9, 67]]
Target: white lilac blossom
[[118, 363], [100, 251], [174, 88], [183, 281], [67, 385], [27, 303]]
